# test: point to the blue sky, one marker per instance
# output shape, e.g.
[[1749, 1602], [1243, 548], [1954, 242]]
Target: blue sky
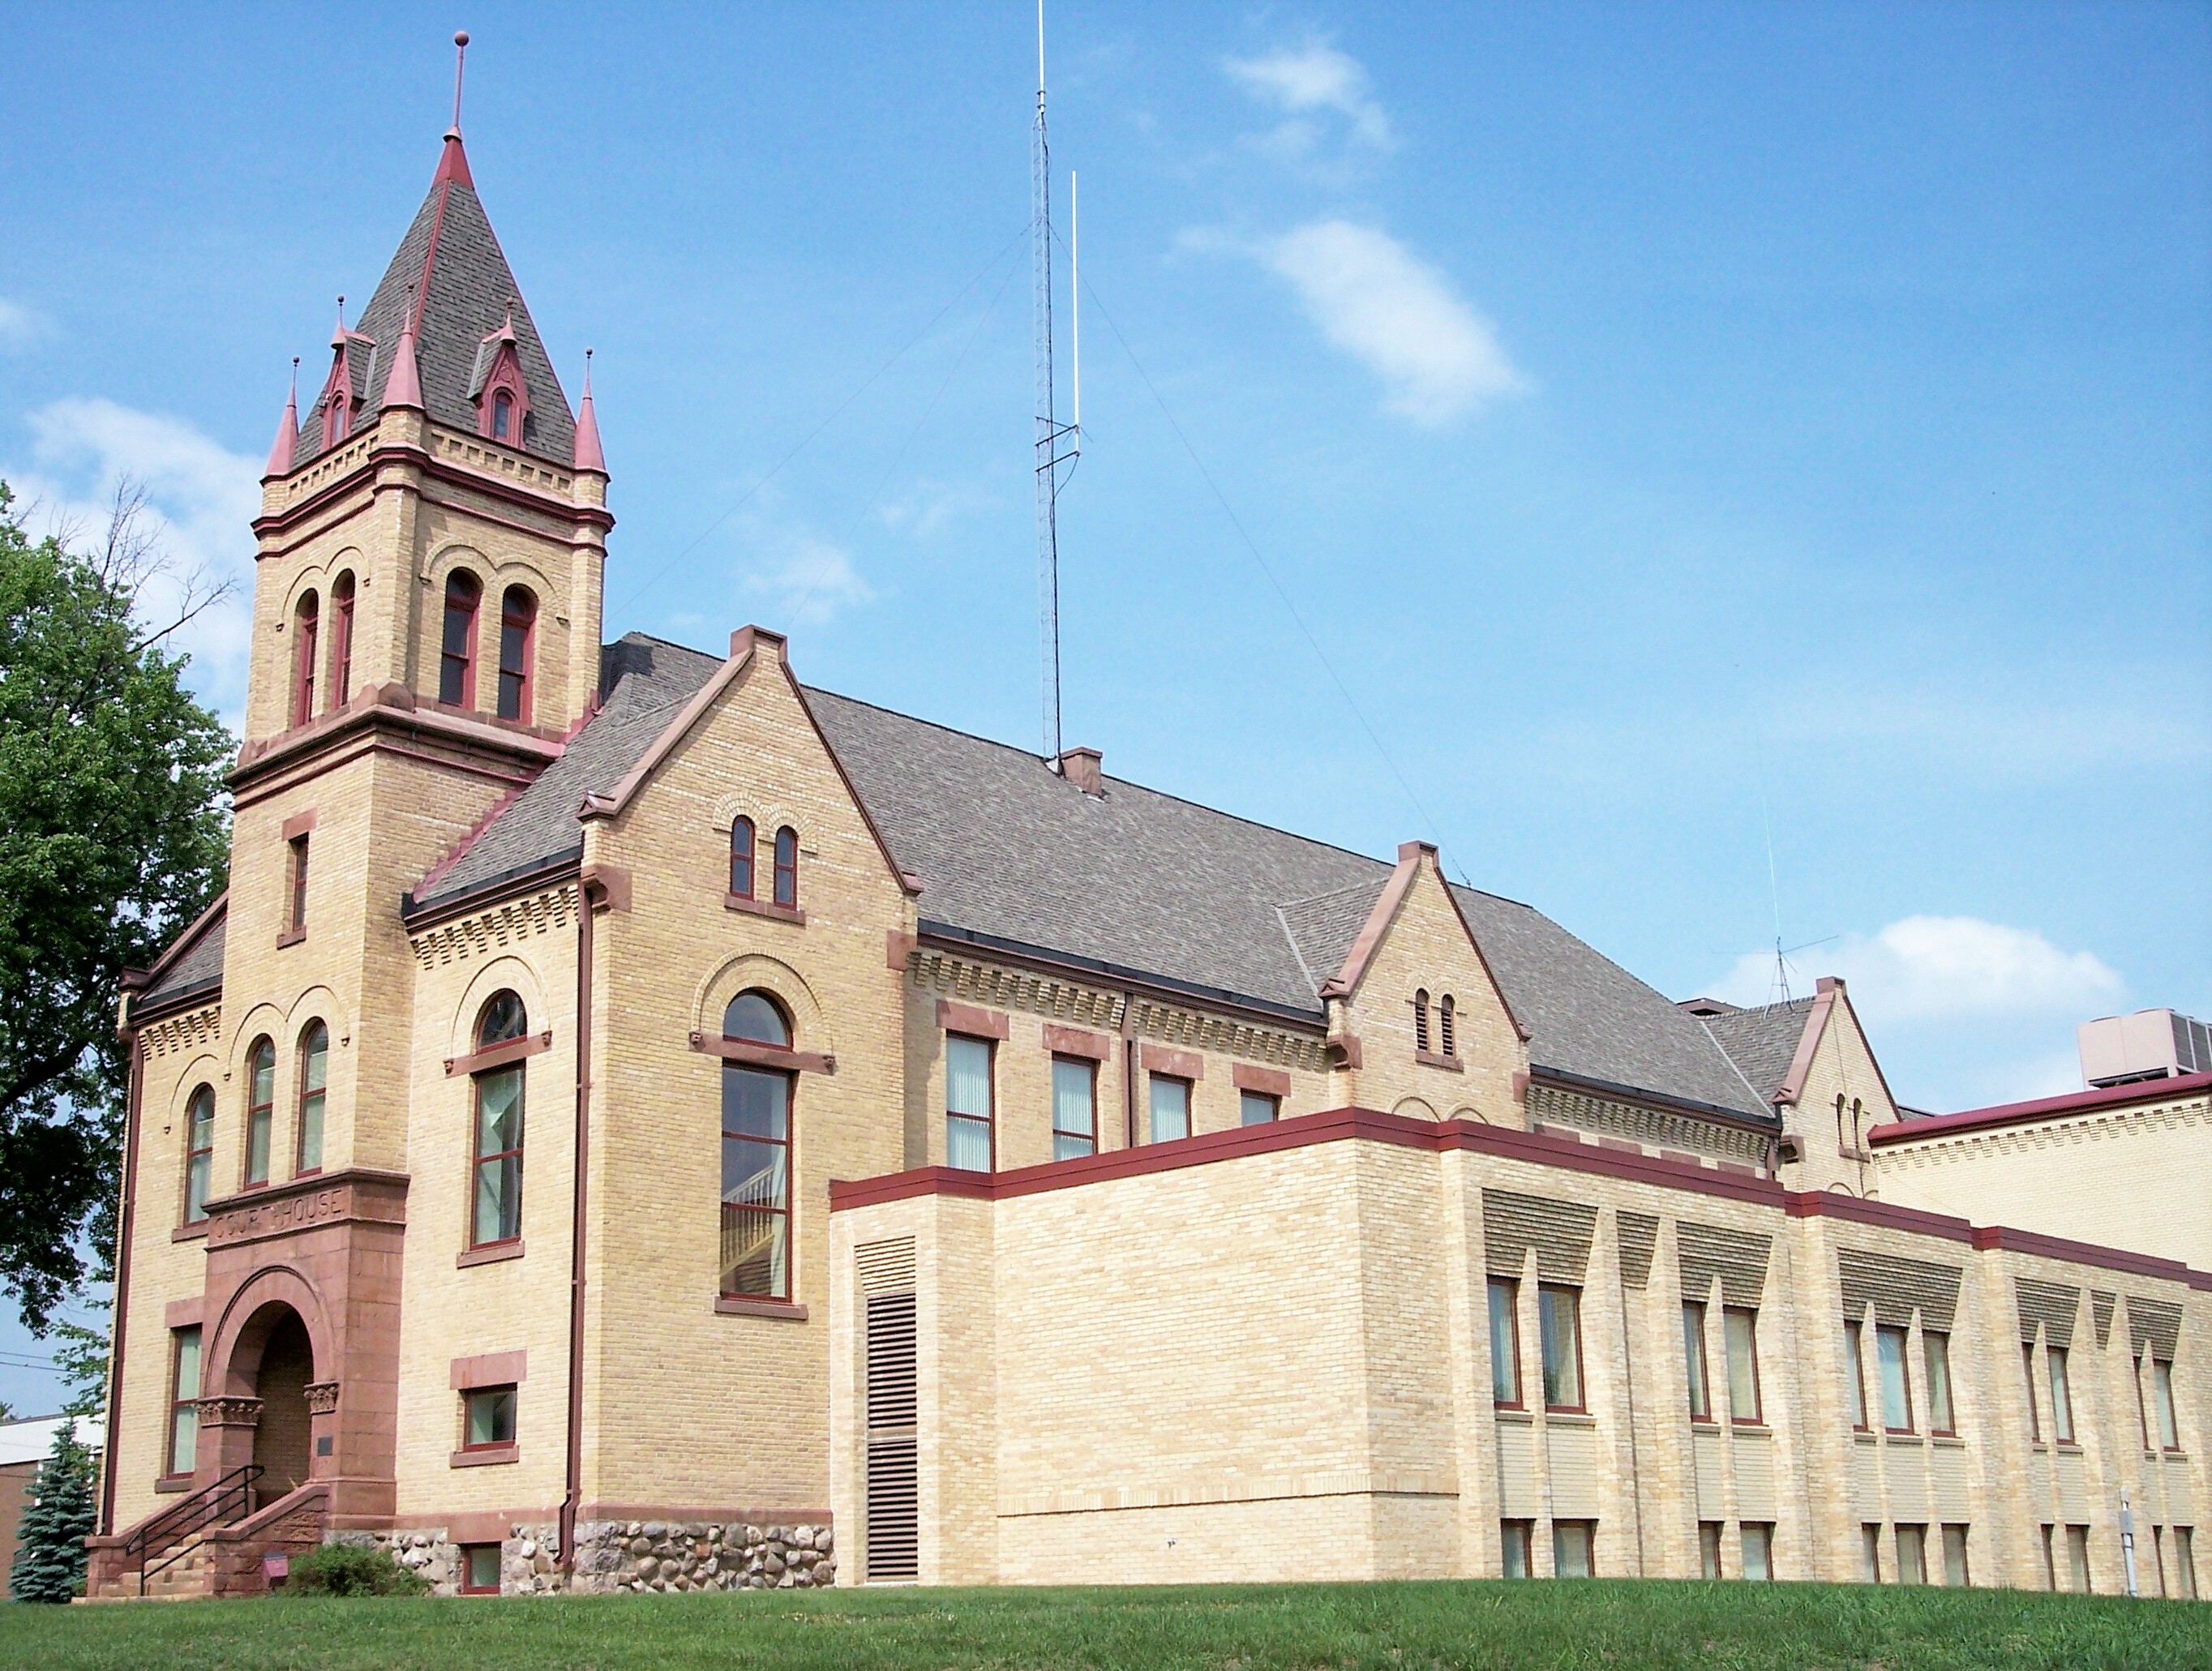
[[1673, 424]]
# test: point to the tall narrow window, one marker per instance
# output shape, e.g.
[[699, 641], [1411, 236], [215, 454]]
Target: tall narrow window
[[786, 866], [1935, 1350], [2062, 1398], [457, 657], [260, 1109], [741, 858], [968, 1143], [1513, 1536], [1855, 1374], [1257, 1107], [1074, 1108], [2185, 1562], [2162, 1400], [314, 1076], [1446, 1035], [2077, 1558], [502, 415], [305, 623], [496, 1200], [1170, 1109], [1870, 1553], [1741, 1325], [295, 903], [2027, 1380], [1954, 1558], [1708, 1549], [1421, 1021], [199, 1153], [1889, 1367], [1558, 1313], [1758, 1551], [1694, 1354], [1505, 1342], [1841, 1143], [341, 639], [1574, 1548], [2050, 1561], [518, 643], [1913, 1554], [756, 1157], [184, 1400]]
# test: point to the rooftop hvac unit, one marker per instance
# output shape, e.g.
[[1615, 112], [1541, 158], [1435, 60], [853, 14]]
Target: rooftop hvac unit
[[2150, 1044]]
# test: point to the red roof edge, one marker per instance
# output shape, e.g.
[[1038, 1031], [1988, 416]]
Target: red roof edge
[[2045, 1108], [453, 162]]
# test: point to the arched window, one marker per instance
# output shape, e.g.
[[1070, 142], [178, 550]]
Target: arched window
[[756, 1256], [457, 661], [315, 1075], [741, 858], [495, 1199], [1421, 1020], [260, 1108], [341, 639], [335, 415], [199, 1153], [1445, 1027], [786, 866], [503, 416], [518, 642], [304, 622]]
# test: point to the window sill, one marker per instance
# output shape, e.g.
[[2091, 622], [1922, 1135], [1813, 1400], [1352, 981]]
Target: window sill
[[1703, 1424], [489, 1456], [491, 1254], [731, 1306], [1946, 1442], [764, 907], [190, 1232], [1751, 1426], [1891, 1436], [1515, 1413], [2069, 1448], [1576, 1418], [1862, 1436], [174, 1482], [1431, 1058], [290, 937]]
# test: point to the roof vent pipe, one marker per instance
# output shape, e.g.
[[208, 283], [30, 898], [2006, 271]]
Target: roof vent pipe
[[1081, 766]]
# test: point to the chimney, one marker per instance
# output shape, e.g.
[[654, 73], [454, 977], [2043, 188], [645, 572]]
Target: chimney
[[1081, 768]]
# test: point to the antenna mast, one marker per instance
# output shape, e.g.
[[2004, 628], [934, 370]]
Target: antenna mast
[[1057, 443]]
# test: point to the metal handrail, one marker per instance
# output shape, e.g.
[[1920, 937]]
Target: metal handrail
[[204, 1507]]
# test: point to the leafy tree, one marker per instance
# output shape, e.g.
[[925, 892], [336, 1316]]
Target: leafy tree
[[113, 837], [50, 1560]]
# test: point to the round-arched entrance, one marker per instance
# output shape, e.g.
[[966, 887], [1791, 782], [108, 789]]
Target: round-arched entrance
[[275, 1341]]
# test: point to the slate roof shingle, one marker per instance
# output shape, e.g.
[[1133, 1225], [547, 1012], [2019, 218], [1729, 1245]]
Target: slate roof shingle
[[201, 965], [468, 288], [1134, 880], [1762, 1041]]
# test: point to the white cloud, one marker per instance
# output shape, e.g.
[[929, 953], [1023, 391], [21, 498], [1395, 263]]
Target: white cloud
[[22, 324], [203, 498], [1314, 77], [1398, 316], [811, 582], [931, 505], [1940, 970]]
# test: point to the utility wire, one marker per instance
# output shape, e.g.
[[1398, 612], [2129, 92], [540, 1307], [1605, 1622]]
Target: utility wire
[[1312, 643], [662, 573]]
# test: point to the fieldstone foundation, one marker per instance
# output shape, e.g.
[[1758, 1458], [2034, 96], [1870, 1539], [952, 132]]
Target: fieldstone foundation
[[614, 1555]]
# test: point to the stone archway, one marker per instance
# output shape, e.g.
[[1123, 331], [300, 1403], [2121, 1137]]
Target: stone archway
[[283, 1441]]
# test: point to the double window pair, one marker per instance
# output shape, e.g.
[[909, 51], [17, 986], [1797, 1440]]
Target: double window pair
[[518, 647], [313, 1061], [745, 841], [1894, 1384]]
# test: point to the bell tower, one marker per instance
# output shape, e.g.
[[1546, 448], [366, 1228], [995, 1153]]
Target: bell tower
[[426, 636]]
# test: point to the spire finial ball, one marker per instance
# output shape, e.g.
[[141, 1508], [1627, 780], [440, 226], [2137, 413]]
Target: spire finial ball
[[460, 37]]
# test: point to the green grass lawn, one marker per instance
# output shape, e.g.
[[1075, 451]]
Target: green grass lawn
[[1388, 1627]]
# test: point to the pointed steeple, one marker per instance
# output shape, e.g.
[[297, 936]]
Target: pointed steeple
[[588, 455], [403, 387], [288, 428]]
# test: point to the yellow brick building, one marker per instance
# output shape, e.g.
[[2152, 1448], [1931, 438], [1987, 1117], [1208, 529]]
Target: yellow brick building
[[637, 1121]]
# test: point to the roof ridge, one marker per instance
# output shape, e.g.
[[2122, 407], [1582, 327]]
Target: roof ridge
[[1127, 783]]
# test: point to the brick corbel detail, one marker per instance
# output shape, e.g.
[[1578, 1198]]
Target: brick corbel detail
[[898, 947], [967, 1018], [1343, 1050], [230, 1412], [1175, 1064], [1268, 1081], [322, 1398], [611, 883], [1076, 1041]]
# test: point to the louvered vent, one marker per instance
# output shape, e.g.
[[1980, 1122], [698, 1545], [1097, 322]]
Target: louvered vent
[[894, 1501]]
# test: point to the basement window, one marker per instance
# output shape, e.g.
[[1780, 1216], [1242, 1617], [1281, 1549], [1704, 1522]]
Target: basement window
[[479, 1569]]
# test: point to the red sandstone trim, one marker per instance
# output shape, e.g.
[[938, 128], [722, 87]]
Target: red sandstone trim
[[498, 1055], [1076, 1041], [1436, 1059], [967, 1018], [1270, 1081], [737, 1305], [1536, 1148], [1171, 1063], [492, 1253], [2045, 1108], [909, 884], [689, 1511], [898, 947], [764, 907], [132, 1109], [491, 1369], [1809, 1041], [1346, 981], [299, 823], [763, 1055], [489, 1456], [184, 942], [184, 1314]]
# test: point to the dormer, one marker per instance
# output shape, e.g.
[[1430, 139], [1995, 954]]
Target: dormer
[[497, 388], [345, 390]]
